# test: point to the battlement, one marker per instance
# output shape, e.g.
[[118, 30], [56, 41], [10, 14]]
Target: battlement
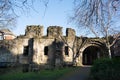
[[70, 32], [52, 31], [34, 30]]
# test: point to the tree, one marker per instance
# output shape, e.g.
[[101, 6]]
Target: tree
[[98, 16], [74, 46], [11, 9]]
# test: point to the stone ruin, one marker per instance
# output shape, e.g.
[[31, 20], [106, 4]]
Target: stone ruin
[[50, 51]]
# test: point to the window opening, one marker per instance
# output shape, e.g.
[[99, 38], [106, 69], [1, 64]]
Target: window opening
[[46, 50], [66, 50], [26, 50]]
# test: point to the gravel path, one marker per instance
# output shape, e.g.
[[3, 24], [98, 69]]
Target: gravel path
[[81, 74]]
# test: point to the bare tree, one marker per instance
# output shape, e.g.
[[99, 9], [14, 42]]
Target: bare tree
[[75, 46], [98, 16], [11, 9]]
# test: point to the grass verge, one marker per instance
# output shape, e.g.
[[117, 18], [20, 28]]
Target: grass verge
[[41, 75]]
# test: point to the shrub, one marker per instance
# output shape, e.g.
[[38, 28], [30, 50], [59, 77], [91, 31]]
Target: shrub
[[106, 69]]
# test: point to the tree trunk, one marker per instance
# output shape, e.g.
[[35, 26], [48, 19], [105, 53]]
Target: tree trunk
[[109, 51], [73, 57]]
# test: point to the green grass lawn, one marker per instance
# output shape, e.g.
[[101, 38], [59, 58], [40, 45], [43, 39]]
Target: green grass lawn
[[41, 75]]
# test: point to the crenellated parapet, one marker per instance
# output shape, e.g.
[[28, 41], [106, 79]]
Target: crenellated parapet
[[54, 31], [34, 31], [70, 33]]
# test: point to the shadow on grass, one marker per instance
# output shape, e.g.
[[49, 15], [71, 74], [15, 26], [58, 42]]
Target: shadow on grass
[[41, 75]]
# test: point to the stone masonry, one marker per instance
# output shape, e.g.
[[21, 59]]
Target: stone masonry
[[52, 50]]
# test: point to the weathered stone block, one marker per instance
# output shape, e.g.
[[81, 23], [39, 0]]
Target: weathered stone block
[[54, 31], [34, 31], [70, 32]]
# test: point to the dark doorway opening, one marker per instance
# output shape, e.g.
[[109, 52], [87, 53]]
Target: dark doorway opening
[[90, 54]]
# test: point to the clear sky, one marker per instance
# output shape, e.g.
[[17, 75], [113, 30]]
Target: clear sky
[[57, 13]]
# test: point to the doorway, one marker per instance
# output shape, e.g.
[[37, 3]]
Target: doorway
[[90, 54]]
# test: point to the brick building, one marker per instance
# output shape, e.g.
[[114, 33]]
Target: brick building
[[6, 34]]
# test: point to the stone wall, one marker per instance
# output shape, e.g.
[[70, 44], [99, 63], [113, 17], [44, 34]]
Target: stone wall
[[34, 31], [39, 56], [7, 51], [70, 33], [54, 31], [35, 48]]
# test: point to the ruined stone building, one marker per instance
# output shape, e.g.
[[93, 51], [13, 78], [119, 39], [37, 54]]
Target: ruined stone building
[[54, 49]]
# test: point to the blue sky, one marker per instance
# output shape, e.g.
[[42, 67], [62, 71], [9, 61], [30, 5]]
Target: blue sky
[[57, 13]]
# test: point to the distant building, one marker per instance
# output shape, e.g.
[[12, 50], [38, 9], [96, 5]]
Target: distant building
[[6, 34]]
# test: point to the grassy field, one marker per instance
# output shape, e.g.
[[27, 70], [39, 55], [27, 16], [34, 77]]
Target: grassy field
[[41, 75]]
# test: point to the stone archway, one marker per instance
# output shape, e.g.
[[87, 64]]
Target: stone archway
[[90, 54]]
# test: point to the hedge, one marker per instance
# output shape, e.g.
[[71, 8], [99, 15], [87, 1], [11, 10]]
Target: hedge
[[106, 69]]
